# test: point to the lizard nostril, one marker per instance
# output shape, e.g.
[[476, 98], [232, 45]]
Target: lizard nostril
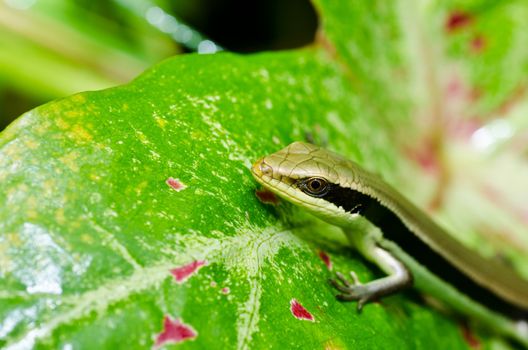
[[266, 169]]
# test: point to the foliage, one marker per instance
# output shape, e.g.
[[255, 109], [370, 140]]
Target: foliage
[[109, 197]]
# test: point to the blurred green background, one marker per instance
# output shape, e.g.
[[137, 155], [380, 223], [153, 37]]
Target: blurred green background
[[54, 48]]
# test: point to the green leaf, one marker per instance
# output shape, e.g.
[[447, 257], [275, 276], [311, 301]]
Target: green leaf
[[107, 195]]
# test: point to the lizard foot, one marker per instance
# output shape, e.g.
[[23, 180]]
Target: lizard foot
[[352, 290]]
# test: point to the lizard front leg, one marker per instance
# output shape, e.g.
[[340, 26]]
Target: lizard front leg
[[365, 241]]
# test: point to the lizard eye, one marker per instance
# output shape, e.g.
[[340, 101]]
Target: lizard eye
[[314, 186]]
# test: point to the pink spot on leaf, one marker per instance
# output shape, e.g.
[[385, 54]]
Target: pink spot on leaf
[[457, 20], [225, 290], [299, 312], [464, 128], [478, 44], [175, 184], [469, 337], [454, 88], [182, 273], [174, 331], [267, 197], [326, 259], [425, 156]]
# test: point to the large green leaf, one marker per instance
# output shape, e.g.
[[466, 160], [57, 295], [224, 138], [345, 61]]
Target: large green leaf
[[107, 197]]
